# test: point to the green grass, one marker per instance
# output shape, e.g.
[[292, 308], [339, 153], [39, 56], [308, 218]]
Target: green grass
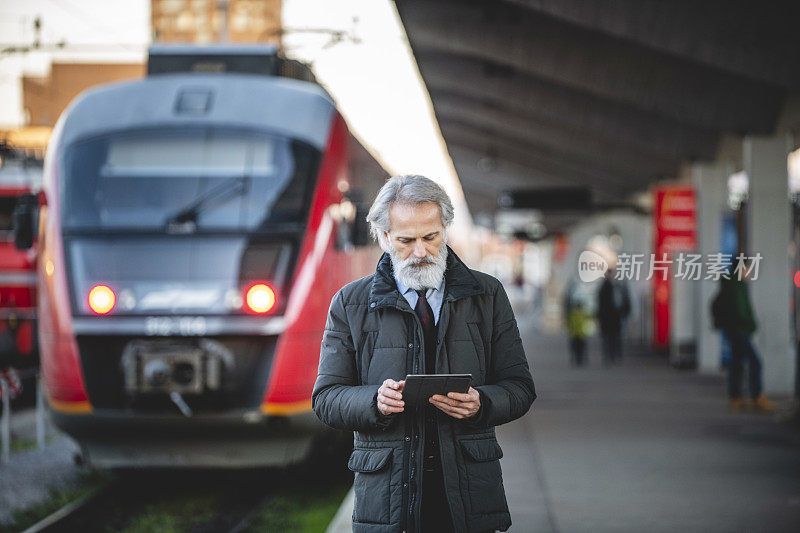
[[25, 444], [20, 445], [300, 512], [173, 516], [24, 518], [295, 511]]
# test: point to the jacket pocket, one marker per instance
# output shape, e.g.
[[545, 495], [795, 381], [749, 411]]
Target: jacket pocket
[[484, 476], [372, 484]]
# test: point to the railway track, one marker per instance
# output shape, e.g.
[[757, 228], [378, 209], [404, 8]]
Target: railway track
[[61, 518], [199, 501], [228, 506]]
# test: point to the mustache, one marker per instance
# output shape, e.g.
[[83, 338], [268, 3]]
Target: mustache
[[417, 261]]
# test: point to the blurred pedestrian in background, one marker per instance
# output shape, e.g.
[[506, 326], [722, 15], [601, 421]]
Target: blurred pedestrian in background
[[577, 320], [613, 307], [733, 313], [578, 325]]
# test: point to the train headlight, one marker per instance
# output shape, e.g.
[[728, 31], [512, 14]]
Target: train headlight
[[102, 299], [260, 298]]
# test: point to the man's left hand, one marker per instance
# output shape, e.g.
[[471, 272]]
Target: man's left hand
[[458, 405]]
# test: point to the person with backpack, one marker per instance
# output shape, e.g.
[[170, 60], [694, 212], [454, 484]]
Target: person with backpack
[[578, 325], [577, 320], [732, 312]]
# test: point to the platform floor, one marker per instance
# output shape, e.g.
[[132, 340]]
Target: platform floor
[[643, 447], [640, 447]]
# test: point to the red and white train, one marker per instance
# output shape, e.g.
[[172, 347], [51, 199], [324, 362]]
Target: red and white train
[[193, 228]]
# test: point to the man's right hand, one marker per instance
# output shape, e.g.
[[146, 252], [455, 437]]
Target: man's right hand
[[390, 397]]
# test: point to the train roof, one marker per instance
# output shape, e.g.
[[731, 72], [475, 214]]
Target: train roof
[[297, 109], [213, 49]]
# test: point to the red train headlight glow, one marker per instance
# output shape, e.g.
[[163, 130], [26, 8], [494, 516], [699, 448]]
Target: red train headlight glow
[[260, 298], [102, 299]]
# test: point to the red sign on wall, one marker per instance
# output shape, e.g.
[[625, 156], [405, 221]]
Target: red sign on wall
[[675, 230]]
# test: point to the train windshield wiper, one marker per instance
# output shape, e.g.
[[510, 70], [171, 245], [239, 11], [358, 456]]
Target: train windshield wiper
[[185, 219]]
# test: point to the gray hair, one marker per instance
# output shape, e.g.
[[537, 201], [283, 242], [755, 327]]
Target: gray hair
[[411, 190]]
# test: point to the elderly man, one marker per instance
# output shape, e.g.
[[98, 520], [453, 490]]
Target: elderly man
[[434, 468]]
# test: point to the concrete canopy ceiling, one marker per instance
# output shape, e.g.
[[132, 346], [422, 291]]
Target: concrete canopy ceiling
[[607, 95]]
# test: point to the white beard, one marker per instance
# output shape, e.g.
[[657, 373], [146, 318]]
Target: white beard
[[424, 273]]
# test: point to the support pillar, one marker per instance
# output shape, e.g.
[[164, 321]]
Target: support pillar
[[711, 183], [769, 233]]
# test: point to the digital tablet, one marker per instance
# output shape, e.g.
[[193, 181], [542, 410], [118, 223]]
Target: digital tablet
[[418, 388]]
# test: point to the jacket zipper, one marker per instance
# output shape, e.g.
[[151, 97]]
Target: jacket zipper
[[444, 318], [417, 434]]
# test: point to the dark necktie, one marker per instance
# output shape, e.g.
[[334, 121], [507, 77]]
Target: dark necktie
[[430, 455], [425, 314]]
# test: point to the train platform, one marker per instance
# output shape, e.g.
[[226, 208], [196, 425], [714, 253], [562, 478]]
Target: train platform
[[639, 447]]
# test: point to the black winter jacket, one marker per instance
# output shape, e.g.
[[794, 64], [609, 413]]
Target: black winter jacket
[[373, 334]]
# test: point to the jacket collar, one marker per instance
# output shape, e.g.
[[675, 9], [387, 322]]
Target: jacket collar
[[459, 282]]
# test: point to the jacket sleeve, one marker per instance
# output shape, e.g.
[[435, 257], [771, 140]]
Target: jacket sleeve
[[509, 390], [338, 399]]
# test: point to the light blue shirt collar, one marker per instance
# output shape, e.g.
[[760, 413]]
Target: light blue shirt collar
[[434, 297]]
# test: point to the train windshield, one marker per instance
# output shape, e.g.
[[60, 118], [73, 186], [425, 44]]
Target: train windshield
[[197, 274], [187, 180]]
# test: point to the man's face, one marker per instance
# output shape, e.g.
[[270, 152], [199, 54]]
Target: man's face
[[417, 244], [415, 230]]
